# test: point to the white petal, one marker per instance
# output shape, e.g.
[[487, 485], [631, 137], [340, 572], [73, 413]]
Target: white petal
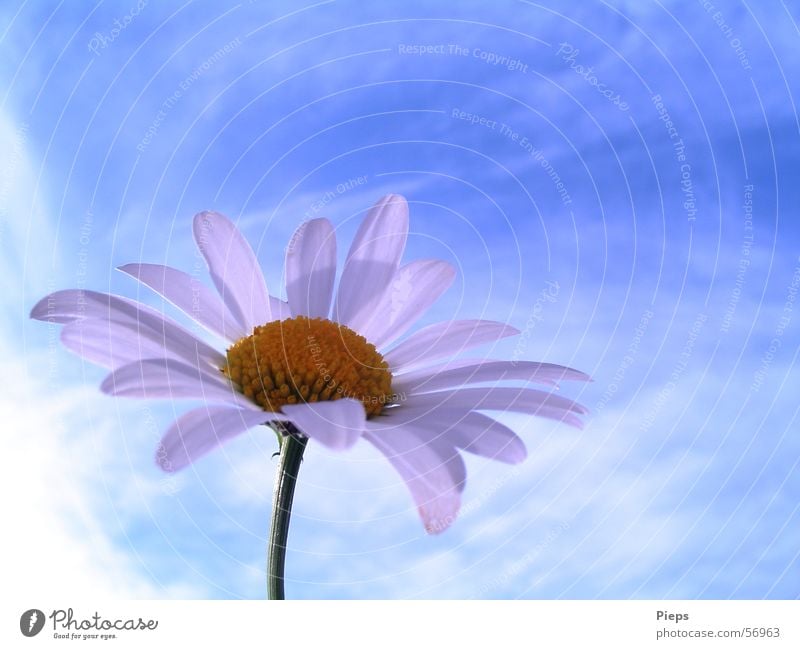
[[311, 269], [415, 287], [108, 344], [449, 364], [122, 327], [434, 472], [445, 339], [467, 430], [69, 305], [372, 261], [484, 436], [170, 379], [335, 424], [533, 402], [201, 430], [190, 296], [433, 378], [234, 269]]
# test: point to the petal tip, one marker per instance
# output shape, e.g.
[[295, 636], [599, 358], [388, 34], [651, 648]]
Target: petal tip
[[518, 455], [322, 221], [435, 525], [107, 385], [207, 219], [46, 309], [393, 205], [163, 461], [575, 422], [39, 310], [577, 375], [205, 215]]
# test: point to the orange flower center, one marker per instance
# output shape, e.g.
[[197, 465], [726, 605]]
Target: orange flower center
[[307, 360]]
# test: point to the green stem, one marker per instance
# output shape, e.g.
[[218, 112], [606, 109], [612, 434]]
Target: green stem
[[291, 454]]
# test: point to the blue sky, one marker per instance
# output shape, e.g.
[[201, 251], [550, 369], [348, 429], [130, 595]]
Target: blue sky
[[532, 142]]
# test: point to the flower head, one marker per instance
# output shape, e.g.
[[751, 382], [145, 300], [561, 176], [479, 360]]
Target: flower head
[[330, 367]]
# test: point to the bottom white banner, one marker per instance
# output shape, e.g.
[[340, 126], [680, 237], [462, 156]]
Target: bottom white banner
[[404, 624]]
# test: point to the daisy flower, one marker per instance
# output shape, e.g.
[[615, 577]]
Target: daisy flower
[[323, 366]]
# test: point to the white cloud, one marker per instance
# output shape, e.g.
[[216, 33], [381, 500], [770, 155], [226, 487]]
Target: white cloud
[[55, 544]]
